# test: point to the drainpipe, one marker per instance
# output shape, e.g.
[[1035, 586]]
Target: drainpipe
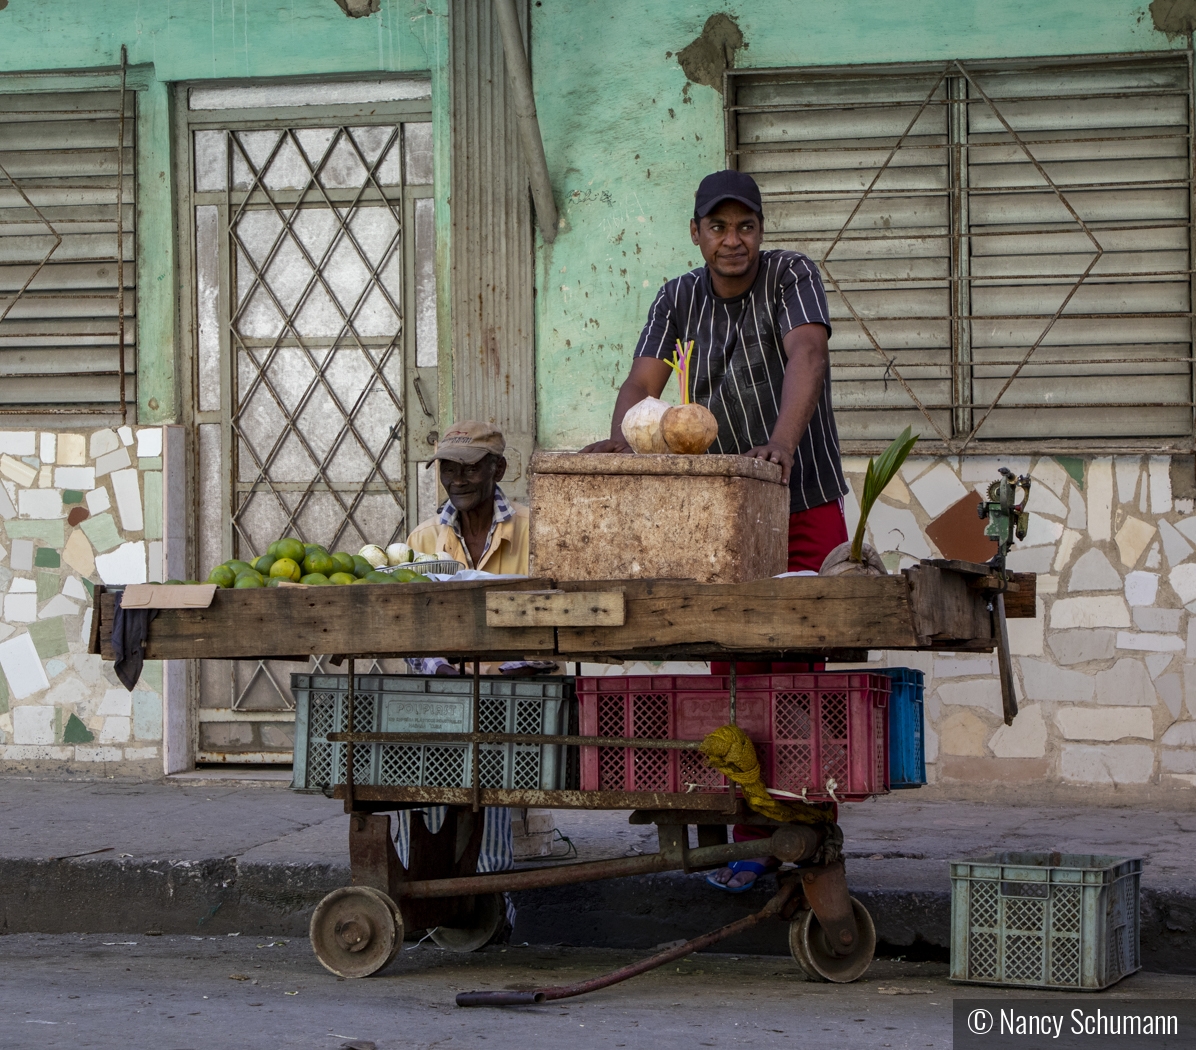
[[525, 112]]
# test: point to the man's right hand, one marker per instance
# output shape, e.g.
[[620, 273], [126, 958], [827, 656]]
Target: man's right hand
[[609, 445]]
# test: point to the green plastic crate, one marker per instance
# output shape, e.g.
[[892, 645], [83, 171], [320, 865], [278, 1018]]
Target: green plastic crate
[[1045, 920]]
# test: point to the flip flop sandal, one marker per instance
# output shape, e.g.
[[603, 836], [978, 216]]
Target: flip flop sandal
[[736, 866]]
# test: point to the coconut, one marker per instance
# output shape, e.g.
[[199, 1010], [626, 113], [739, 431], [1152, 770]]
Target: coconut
[[641, 426], [839, 563], [689, 430]]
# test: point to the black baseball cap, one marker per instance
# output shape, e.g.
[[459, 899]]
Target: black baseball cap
[[727, 185]]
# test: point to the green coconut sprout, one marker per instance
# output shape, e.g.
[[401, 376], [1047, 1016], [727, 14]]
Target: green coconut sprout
[[880, 472]]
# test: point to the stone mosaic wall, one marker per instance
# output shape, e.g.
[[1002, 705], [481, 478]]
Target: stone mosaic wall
[[77, 508], [1106, 674]]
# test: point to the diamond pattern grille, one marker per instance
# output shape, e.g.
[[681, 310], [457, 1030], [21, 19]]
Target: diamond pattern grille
[[650, 721], [526, 771], [612, 772], [319, 751], [1025, 915], [1065, 960], [982, 956], [1065, 909], [984, 906], [398, 764], [447, 766], [833, 711]]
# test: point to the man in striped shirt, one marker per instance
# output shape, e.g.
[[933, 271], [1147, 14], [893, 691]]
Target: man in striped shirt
[[760, 327]]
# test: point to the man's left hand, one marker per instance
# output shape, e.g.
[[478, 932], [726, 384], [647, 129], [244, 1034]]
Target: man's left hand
[[774, 453]]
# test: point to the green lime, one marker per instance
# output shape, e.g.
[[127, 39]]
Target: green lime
[[381, 577], [342, 578], [361, 567], [314, 579], [286, 569], [292, 549], [343, 561], [311, 548], [252, 572], [319, 561], [263, 563], [237, 565], [274, 581], [409, 576], [222, 576], [272, 550], [248, 579], [362, 580], [174, 581]]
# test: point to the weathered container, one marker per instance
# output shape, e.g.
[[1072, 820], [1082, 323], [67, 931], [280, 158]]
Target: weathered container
[[714, 519], [1045, 920]]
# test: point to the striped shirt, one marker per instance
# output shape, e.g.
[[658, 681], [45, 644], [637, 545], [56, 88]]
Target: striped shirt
[[739, 362]]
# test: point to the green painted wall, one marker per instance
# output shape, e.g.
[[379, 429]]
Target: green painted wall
[[175, 41], [628, 139]]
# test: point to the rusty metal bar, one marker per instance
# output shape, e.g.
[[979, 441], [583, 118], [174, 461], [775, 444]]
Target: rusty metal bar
[[350, 711], [593, 870], [120, 232], [476, 744], [510, 738]]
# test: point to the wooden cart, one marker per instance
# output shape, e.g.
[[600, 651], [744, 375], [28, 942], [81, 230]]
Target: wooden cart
[[356, 930]]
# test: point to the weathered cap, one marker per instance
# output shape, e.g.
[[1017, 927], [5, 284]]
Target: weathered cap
[[470, 441], [727, 185]]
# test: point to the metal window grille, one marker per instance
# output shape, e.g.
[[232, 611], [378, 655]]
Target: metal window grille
[[1006, 247], [67, 200]]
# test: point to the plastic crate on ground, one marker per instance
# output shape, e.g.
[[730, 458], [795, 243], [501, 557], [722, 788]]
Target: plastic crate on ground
[[434, 704], [822, 733], [1043, 920], [907, 756]]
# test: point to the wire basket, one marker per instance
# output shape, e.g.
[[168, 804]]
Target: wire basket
[[441, 566]]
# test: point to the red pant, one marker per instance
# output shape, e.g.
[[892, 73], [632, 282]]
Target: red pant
[[813, 534]]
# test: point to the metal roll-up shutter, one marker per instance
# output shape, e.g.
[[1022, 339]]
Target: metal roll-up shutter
[[59, 343], [1006, 246]]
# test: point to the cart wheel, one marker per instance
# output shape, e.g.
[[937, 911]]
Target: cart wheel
[[807, 945], [489, 914], [356, 931]]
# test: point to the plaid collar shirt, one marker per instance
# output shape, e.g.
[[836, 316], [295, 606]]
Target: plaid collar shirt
[[449, 515]]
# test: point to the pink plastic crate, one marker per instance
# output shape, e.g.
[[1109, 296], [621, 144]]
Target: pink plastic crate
[[809, 729]]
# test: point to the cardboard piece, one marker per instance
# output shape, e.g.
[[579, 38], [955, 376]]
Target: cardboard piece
[[168, 596]]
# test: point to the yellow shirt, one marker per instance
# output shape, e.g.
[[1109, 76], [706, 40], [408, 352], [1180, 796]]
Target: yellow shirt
[[505, 553]]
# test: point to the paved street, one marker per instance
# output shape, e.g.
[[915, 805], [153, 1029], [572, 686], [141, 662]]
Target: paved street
[[234, 993]]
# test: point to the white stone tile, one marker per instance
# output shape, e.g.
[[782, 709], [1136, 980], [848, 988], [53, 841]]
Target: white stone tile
[[978, 692], [895, 529], [1036, 559], [1153, 558], [1183, 581], [1044, 501], [851, 509], [1126, 682], [1160, 484], [915, 466], [85, 633], [1129, 470], [1100, 498], [1163, 621], [20, 608], [1077, 511], [7, 508], [22, 555], [33, 724], [1141, 588], [959, 666], [1132, 539], [1171, 692], [1042, 530], [154, 565], [72, 588], [1149, 643], [22, 473], [1156, 664], [986, 468], [1188, 527], [18, 442], [1026, 738], [3, 553], [854, 464], [78, 553], [938, 489], [98, 754], [1175, 546], [48, 447], [22, 667], [22, 586], [1043, 680], [140, 754], [126, 486], [1079, 647], [1025, 635], [149, 442], [111, 461], [41, 503], [115, 731], [125, 434], [59, 605], [1182, 734], [1185, 506], [97, 500], [1105, 723], [72, 450], [896, 490], [81, 478], [1067, 544], [1093, 572], [116, 702], [1111, 764], [1191, 650], [126, 564], [1105, 610], [45, 477], [1046, 471], [103, 442]]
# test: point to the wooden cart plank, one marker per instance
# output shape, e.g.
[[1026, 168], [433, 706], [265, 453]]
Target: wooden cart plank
[[796, 613], [597, 608], [416, 619], [712, 802]]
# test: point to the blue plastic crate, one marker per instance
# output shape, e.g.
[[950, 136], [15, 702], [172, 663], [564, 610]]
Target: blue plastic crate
[[907, 752]]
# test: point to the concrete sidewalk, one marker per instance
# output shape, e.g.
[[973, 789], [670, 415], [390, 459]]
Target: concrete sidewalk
[[223, 856]]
